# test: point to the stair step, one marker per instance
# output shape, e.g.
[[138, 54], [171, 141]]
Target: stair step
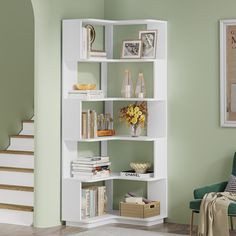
[[22, 136], [16, 217], [17, 188], [16, 178], [22, 143], [13, 169], [28, 121], [16, 152], [12, 195], [16, 207]]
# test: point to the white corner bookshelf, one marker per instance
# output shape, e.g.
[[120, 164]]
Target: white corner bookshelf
[[72, 107]]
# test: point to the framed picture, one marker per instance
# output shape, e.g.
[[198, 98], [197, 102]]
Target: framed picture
[[131, 49], [149, 40], [228, 73]]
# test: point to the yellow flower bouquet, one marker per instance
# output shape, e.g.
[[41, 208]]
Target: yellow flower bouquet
[[134, 115]]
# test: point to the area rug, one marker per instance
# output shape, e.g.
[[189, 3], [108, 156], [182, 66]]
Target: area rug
[[118, 231]]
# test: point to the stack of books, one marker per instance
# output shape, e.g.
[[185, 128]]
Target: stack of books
[[91, 167], [93, 201], [86, 94], [89, 124]]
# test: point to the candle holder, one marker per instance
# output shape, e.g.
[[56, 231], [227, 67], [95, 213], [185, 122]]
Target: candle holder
[[140, 89], [127, 85]]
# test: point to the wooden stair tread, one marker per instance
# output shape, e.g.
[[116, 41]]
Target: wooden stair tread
[[16, 207], [17, 188], [28, 121], [16, 152], [14, 169], [22, 136]]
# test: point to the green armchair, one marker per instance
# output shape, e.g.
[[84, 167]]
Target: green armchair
[[199, 193]]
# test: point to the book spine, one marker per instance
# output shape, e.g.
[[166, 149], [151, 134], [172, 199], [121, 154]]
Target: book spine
[[87, 197], [84, 43], [84, 125], [88, 42], [95, 128], [88, 124]]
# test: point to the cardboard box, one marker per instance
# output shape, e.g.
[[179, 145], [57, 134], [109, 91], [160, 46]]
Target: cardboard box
[[140, 210]]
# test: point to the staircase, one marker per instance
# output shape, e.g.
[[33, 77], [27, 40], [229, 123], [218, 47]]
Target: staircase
[[17, 178]]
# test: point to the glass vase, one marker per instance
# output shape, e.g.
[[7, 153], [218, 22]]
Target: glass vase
[[127, 86], [135, 130], [140, 89]]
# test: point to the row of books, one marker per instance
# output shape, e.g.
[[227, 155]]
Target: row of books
[[90, 167], [93, 201], [87, 51], [89, 124]]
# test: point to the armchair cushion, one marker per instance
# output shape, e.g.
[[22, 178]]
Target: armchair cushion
[[200, 192], [231, 186]]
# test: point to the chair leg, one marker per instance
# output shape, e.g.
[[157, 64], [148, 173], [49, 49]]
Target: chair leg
[[231, 223], [191, 223]]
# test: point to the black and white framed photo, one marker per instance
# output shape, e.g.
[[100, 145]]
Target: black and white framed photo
[[149, 41], [228, 73], [131, 49]]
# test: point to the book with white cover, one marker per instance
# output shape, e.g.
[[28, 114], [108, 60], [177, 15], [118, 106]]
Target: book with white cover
[[131, 173]]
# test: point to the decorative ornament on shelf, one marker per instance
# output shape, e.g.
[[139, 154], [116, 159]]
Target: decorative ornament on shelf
[[91, 35], [140, 89], [127, 85], [134, 115], [140, 168]]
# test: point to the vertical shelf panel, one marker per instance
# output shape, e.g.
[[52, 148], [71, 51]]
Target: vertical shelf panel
[[71, 119], [71, 200], [157, 190]]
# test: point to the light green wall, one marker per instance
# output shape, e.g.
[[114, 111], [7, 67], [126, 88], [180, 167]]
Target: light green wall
[[48, 16], [199, 151], [16, 66]]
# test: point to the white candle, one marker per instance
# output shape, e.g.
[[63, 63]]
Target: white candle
[[140, 95], [127, 91]]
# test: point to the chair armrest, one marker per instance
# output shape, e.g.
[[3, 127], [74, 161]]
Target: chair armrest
[[200, 192]]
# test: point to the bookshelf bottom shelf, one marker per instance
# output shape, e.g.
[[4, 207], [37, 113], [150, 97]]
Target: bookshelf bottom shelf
[[114, 217]]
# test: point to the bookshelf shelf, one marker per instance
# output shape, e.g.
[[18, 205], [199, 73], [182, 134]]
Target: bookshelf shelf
[[109, 138], [116, 176], [73, 96], [116, 60], [76, 118]]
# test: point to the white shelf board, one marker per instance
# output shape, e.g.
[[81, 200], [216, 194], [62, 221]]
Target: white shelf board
[[73, 96], [98, 59], [115, 215], [116, 176], [126, 138], [119, 22]]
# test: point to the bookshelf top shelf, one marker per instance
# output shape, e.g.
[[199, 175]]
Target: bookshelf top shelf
[[116, 176], [114, 22]]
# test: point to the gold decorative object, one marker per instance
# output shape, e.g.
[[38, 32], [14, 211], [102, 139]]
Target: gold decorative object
[[140, 168]]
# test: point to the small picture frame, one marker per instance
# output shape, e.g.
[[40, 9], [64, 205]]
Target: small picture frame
[[149, 41], [131, 49]]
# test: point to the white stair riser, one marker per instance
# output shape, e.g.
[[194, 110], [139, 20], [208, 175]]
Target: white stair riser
[[22, 144], [16, 217], [28, 129], [17, 178], [18, 161], [16, 197]]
